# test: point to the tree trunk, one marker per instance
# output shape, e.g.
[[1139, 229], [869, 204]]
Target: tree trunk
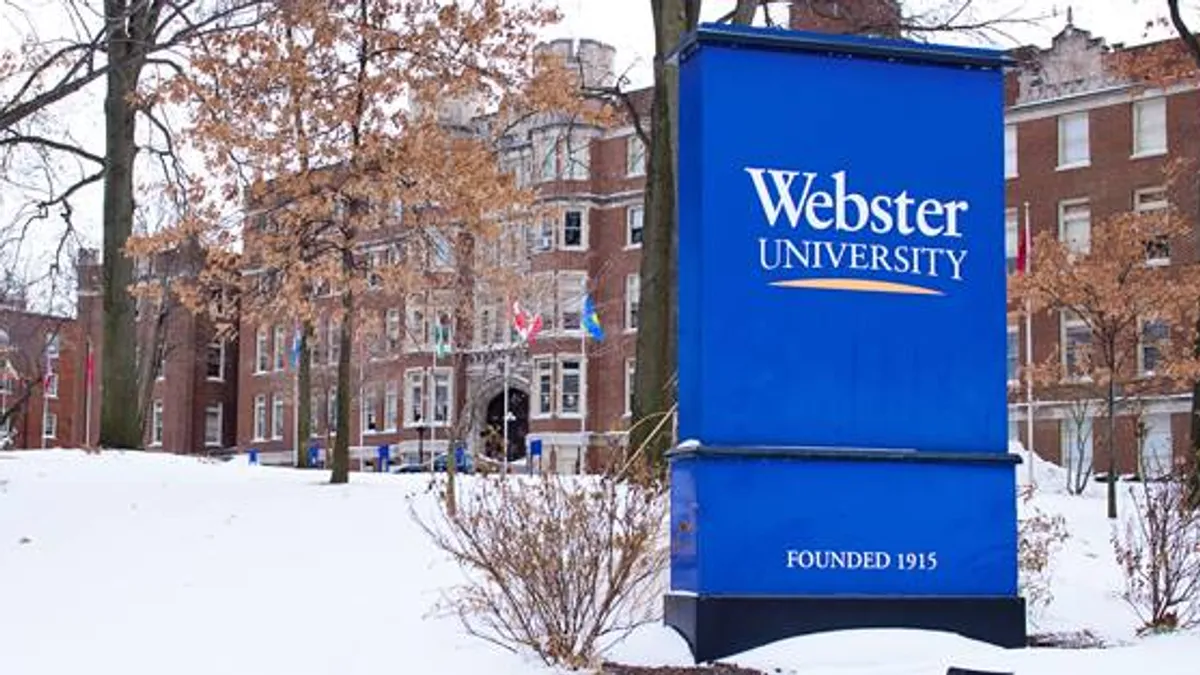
[[1112, 447], [341, 442], [304, 398], [120, 423]]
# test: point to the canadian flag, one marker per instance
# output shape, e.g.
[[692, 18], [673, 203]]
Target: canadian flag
[[526, 323], [1024, 244]]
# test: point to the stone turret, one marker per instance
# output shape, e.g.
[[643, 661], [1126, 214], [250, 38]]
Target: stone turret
[[592, 59]]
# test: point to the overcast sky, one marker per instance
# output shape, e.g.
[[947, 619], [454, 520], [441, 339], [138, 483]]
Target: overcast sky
[[627, 25]]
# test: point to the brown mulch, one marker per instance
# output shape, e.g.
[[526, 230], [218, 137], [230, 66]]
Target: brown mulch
[[715, 669]]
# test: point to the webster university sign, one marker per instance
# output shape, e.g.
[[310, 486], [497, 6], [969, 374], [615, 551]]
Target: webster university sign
[[824, 209], [842, 342]]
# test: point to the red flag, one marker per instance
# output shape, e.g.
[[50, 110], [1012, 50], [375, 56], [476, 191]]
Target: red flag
[[1023, 249], [527, 324]]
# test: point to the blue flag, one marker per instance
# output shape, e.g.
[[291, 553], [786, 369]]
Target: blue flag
[[591, 320]]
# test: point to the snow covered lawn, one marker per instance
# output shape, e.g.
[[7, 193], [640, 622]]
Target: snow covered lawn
[[141, 564]]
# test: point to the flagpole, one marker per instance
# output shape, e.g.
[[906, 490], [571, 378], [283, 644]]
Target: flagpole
[[583, 401], [505, 423], [1028, 352]]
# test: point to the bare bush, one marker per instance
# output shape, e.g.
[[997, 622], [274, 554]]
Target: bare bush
[[1159, 553], [555, 564], [1039, 538]]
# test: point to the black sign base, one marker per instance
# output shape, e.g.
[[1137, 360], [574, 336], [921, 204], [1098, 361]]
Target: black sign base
[[717, 627]]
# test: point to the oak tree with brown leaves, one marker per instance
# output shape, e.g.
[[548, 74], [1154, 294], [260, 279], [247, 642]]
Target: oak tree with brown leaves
[[1111, 285], [350, 132]]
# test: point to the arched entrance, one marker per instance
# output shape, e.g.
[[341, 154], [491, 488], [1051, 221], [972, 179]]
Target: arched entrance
[[518, 426]]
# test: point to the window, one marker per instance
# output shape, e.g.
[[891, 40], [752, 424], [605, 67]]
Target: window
[[573, 236], [260, 417], [1150, 201], [280, 347], [370, 411], [1073, 149], [49, 423], [213, 425], [635, 156], [7, 375], [570, 300], [261, 359], [633, 292], [1012, 233], [1150, 127], [442, 392], [335, 340], [546, 152], [276, 416], [392, 328], [391, 407], [1152, 342], [1010, 151], [156, 423], [1014, 358], [1075, 225], [570, 387], [442, 250], [214, 361], [630, 381], [541, 236], [414, 397], [1076, 340], [331, 412], [160, 362], [634, 218], [418, 331], [374, 262], [52, 385], [314, 413], [52, 345], [579, 157], [543, 369]]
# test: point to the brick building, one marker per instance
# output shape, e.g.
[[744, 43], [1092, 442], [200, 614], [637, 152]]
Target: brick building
[[1084, 143]]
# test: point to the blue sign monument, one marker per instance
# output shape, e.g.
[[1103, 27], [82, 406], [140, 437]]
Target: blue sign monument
[[842, 392]]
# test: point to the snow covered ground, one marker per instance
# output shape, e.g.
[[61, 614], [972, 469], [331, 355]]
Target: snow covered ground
[[140, 564]]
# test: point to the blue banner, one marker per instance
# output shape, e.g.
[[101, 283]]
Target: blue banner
[[841, 246]]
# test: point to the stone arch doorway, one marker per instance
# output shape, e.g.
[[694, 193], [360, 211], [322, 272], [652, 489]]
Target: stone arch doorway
[[518, 426]]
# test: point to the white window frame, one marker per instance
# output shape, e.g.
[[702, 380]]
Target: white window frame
[[543, 373], [391, 406], [156, 423], [415, 376], [49, 423], [416, 324], [636, 212], [219, 346], [633, 301], [570, 287], [260, 418], [1012, 237], [438, 375], [1149, 200], [583, 229], [277, 416], [635, 155], [1064, 207], [560, 407], [1081, 119], [1143, 346], [1010, 150], [331, 411], [52, 384], [393, 330], [1141, 113], [261, 358], [369, 409], [1067, 321], [219, 409], [279, 348]]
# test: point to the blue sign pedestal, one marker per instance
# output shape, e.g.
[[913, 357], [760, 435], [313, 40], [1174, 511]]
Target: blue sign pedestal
[[842, 342], [863, 540]]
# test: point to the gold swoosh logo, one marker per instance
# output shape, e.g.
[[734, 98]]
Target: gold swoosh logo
[[861, 285]]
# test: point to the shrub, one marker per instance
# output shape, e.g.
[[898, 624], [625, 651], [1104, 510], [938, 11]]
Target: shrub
[[1039, 538], [555, 564], [1159, 554]]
